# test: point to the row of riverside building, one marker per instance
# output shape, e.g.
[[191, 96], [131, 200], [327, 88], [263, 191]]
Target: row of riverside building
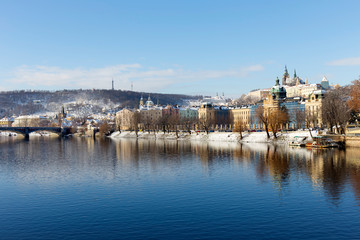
[[304, 97]]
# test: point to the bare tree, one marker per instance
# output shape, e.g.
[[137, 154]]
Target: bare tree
[[174, 122], [299, 118], [240, 126], [277, 119], [354, 101], [118, 122], [263, 118], [147, 121], [163, 122], [135, 121], [188, 123], [205, 124], [335, 110], [310, 121], [104, 128]]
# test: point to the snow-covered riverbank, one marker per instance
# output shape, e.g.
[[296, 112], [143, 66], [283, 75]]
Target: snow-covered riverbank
[[258, 137], [33, 134]]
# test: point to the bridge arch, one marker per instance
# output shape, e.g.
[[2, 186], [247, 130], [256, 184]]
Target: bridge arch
[[27, 130], [13, 131]]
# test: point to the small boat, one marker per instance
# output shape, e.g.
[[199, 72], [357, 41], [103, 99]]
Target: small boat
[[322, 142], [298, 141], [296, 144]]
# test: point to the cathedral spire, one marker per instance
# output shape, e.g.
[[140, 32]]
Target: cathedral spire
[[141, 100], [285, 76], [295, 73]]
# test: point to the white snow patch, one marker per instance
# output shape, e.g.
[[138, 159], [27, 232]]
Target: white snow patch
[[253, 137]]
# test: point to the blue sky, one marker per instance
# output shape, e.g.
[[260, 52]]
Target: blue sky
[[191, 47]]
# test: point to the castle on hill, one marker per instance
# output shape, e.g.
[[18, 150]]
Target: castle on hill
[[295, 87], [295, 81]]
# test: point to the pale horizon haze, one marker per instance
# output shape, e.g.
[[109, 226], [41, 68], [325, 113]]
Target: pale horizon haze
[[187, 47]]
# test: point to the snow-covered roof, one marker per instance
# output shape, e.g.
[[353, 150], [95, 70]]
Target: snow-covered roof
[[319, 92], [7, 119]]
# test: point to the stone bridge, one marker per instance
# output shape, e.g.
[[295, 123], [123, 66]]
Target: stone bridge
[[62, 131]]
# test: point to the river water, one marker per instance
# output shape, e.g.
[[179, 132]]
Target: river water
[[146, 189]]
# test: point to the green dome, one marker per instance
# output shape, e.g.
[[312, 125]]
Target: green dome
[[278, 91]]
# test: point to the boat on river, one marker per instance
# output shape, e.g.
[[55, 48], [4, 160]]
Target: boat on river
[[298, 141], [321, 142]]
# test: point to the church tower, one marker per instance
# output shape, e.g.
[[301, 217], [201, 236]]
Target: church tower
[[149, 103], [278, 92], [141, 101], [62, 112], [285, 76]]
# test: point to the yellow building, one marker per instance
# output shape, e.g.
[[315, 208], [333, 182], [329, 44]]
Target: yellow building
[[240, 115], [31, 121], [124, 119], [6, 122], [150, 116], [313, 106], [207, 113]]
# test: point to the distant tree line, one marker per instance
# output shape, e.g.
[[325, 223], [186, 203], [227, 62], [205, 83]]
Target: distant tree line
[[21, 102]]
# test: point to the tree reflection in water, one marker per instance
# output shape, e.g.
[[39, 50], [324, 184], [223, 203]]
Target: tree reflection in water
[[332, 171]]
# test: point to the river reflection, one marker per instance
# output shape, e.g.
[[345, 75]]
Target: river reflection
[[328, 169], [45, 160], [139, 189]]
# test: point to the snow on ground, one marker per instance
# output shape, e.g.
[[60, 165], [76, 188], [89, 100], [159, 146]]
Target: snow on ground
[[252, 137], [8, 134], [37, 134]]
